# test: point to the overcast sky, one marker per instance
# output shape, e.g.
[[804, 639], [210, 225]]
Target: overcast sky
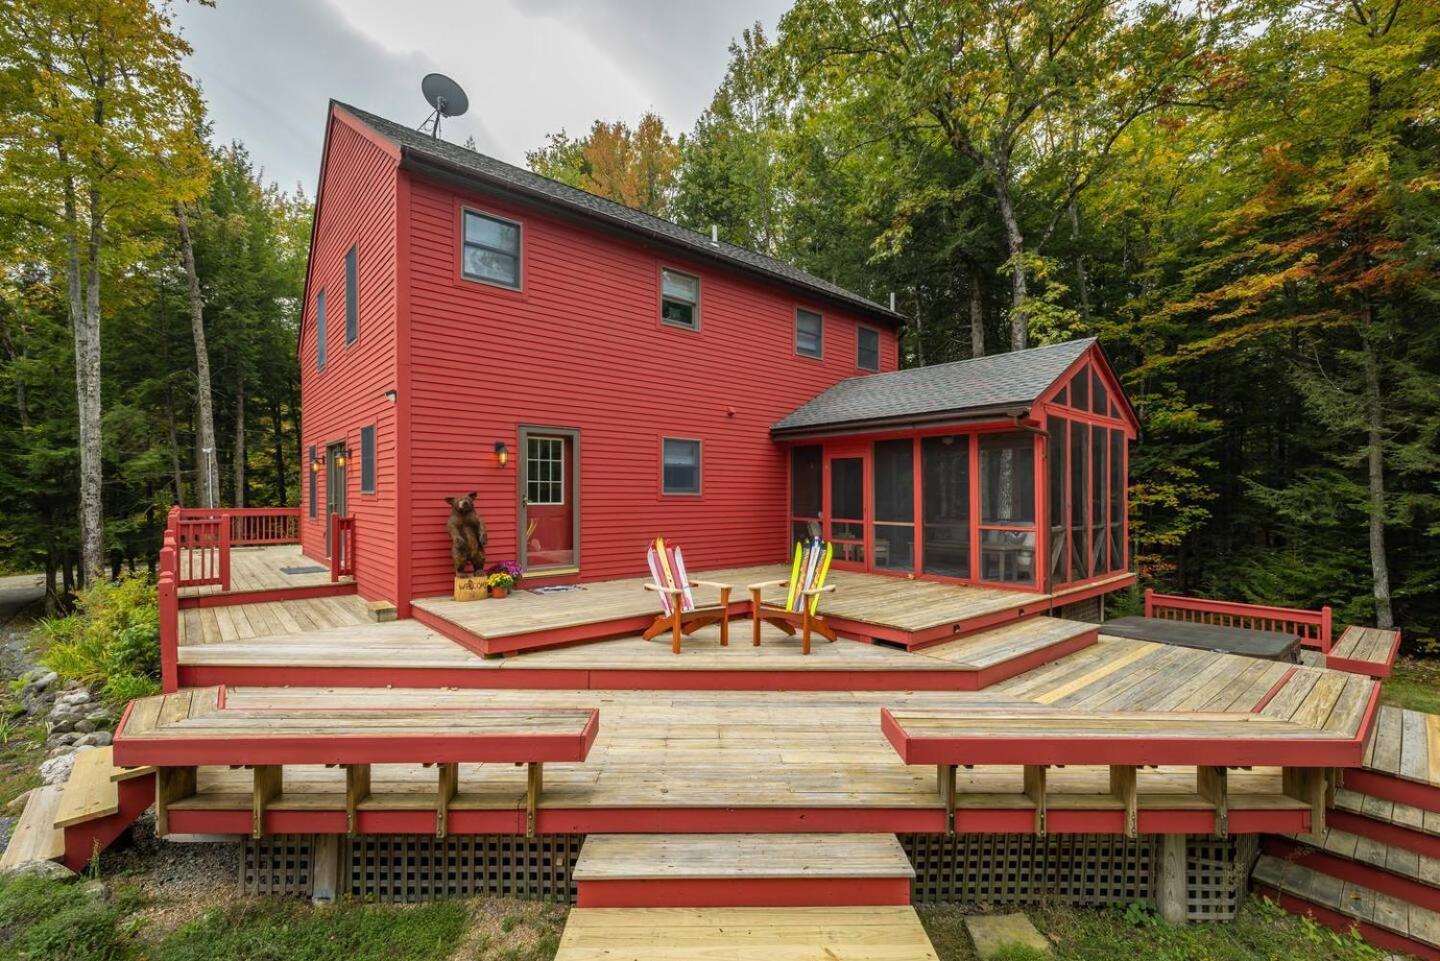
[[267, 68]]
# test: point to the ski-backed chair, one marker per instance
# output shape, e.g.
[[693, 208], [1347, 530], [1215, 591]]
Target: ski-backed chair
[[679, 614], [800, 609]]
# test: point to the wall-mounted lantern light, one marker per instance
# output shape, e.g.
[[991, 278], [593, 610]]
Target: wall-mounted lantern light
[[315, 466], [341, 456], [391, 395], [502, 453]]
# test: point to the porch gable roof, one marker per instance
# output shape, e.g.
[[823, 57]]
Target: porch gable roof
[[997, 385]]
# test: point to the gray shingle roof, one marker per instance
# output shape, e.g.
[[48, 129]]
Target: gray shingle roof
[[997, 382], [415, 146]]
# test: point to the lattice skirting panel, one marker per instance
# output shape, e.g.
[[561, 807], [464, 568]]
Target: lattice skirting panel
[[1076, 869], [281, 865], [417, 868], [1217, 875]]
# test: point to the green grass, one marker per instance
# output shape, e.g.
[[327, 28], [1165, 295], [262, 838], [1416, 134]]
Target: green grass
[[44, 920], [1415, 683], [22, 748], [1261, 933]]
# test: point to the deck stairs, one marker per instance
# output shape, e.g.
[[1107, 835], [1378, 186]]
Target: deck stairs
[[743, 897], [76, 820], [1376, 867]]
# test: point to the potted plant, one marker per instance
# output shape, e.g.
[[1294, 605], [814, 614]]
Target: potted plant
[[501, 577]]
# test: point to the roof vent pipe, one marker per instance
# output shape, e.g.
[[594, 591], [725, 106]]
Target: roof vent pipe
[[892, 301], [715, 234]]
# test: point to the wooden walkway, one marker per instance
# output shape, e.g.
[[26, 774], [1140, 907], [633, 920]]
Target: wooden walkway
[[884, 933], [263, 569]]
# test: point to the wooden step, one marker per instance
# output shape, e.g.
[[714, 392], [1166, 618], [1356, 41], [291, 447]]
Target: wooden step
[[1365, 650], [1382, 919], [741, 870], [877, 933], [1003, 652], [1373, 864], [36, 837], [90, 793]]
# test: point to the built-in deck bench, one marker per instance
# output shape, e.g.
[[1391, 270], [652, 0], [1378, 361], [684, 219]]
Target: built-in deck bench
[[1041, 738], [1365, 650], [177, 733]]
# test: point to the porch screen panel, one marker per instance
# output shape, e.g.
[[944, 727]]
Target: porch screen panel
[[1058, 448], [1007, 508], [1117, 500], [806, 493], [894, 470], [1099, 556], [847, 508], [945, 505], [1079, 494]]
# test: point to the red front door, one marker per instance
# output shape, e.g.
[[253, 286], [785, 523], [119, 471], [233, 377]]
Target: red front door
[[846, 505], [549, 500]]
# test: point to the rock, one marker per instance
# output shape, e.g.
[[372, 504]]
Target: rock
[[85, 726], [38, 680], [50, 870], [99, 716], [61, 740], [57, 769], [62, 726], [17, 804], [998, 935], [95, 739]]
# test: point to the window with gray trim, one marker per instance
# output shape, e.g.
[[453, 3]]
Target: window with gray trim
[[491, 250], [680, 468], [867, 349], [679, 298], [352, 297], [320, 331], [367, 459], [809, 333]]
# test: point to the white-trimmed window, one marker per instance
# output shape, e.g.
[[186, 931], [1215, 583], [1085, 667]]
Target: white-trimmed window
[[680, 466], [809, 333], [679, 298], [867, 348], [491, 250], [545, 471]]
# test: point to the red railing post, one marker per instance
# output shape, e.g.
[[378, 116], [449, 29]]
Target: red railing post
[[168, 602], [335, 547], [224, 552], [1326, 626], [1149, 602]]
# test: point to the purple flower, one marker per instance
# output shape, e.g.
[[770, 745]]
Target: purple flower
[[505, 567]]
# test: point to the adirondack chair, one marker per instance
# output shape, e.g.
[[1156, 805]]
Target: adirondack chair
[[679, 614], [802, 597]]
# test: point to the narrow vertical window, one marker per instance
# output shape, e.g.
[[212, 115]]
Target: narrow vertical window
[[680, 470], [679, 299], [1057, 448], [491, 250], [867, 349], [352, 297], [320, 331], [367, 459], [945, 504], [314, 481], [809, 333], [893, 467]]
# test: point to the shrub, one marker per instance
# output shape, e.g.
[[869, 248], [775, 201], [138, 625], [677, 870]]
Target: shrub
[[112, 639]]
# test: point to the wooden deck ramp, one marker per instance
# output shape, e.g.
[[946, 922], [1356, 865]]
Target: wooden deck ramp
[[36, 838], [879, 933], [741, 870]]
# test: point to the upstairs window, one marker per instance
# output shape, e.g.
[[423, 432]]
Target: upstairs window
[[491, 252], [320, 331], [314, 481], [809, 333], [679, 299], [367, 459], [680, 470], [352, 297], [867, 349]]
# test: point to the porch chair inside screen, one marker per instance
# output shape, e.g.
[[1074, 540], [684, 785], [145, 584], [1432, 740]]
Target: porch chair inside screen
[[679, 614], [802, 595]]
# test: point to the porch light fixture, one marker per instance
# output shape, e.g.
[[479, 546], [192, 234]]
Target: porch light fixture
[[502, 453], [341, 456], [315, 466], [392, 396]]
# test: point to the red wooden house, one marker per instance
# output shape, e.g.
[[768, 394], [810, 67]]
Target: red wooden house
[[599, 376]]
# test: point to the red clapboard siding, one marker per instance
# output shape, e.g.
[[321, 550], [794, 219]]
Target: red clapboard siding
[[356, 206], [581, 346]]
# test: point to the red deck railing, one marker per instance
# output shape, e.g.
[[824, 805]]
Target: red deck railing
[[1312, 627], [342, 547]]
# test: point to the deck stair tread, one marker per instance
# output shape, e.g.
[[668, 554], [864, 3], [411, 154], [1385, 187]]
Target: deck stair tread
[[644, 856], [1377, 854], [1005, 643], [91, 791], [36, 838], [1405, 744], [884, 933], [1350, 899], [1369, 650], [1388, 812]]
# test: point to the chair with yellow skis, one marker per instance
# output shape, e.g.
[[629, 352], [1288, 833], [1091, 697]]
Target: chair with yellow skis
[[802, 595], [679, 614]]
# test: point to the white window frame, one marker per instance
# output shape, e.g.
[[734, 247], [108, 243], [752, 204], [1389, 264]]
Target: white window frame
[[695, 305], [556, 484]]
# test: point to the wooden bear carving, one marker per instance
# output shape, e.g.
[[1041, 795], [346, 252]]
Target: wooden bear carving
[[467, 534]]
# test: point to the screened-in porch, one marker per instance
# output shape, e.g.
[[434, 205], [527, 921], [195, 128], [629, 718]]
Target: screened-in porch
[[1033, 501]]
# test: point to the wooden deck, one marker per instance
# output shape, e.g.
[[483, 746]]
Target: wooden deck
[[613, 857], [1365, 650], [261, 569]]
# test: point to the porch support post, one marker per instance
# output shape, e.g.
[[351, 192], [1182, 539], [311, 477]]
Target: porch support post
[[1170, 892], [1035, 791], [448, 784], [1213, 784], [171, 784], [269, 781], [1123, 787], [1308, 785], [357, 789], [945, 779], [534, 783]]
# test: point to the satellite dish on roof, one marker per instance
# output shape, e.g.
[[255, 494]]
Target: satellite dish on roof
[[446, 97]]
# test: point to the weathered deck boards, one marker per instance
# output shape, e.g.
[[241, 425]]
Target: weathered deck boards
[[240, 622], [1365, 650], [661, 856], [1386, 857], [36, 838], [886, 933], [1388, 812], [1406, 744], [1350, 900], [260, 569], [90, 792]]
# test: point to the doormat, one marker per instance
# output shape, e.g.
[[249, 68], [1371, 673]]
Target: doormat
[[312, 569], [555, 589]]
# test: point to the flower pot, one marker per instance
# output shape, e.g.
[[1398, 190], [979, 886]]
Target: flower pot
[[498, 592]]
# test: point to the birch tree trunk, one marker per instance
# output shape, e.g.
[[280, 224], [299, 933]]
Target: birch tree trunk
[[1082, 280], [84, 307], [1375, 457], [207, 473], [1015, 249], [239, 464], [277, 427], [977, 315]]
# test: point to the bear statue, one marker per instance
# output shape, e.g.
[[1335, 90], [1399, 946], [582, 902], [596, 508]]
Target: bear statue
[[467, 534]]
